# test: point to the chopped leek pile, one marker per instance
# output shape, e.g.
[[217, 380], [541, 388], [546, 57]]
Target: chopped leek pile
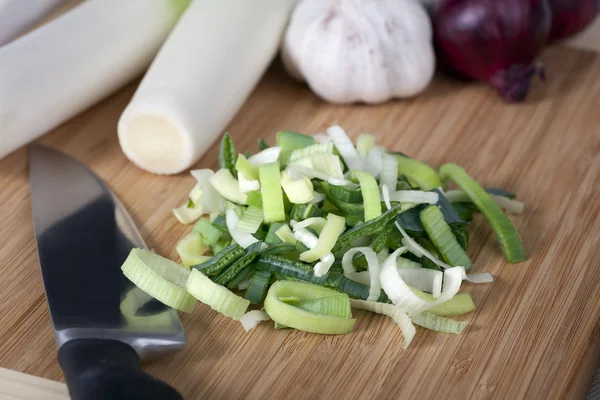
[[316, 225]]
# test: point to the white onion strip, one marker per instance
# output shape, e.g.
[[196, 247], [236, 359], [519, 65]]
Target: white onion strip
[[373, 269]]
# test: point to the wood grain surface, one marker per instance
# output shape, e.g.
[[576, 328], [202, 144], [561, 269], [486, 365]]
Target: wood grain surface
[[535, 331]]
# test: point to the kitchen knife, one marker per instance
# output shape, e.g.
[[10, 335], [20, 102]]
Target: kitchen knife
[[104, 325]]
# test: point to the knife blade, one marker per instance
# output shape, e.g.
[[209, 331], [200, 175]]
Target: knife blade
[[104, 325]]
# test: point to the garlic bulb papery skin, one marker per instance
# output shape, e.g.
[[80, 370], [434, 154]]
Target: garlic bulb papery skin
[[360, 50]]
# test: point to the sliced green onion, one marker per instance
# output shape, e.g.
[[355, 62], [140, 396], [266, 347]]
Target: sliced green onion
[[370, 192], [258, 286], [436, 323], [418, 173], [244, 239], [210, 234], [345, 194], [270, 190], [292, 269], [220, 260], [227, 154], [351, 287], [507, 235], [228, 186], [389, 171], [382, 237], [415, 196], [365, 143], [373, 269], [404, 298], [290, 141], [298, 191], [398, 316], [240, 278], [348, 208], [442, 237], [251, 319], [159, 277], [285, 234], [247, 185], [460, 304], [331, 232], [300, 212], [317, 148], [216, 296], [244, 166], [251, 220], [344, 145], [237, 266], [279, 249], [191, 249], [297, 318]]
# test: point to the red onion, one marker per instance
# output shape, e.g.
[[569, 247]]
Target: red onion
[[495, 41], [571, 16]]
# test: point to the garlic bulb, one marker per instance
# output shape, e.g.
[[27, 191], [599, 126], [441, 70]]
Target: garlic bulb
[[360, 50]]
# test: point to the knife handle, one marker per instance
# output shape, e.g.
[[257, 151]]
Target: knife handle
[[108, 369]]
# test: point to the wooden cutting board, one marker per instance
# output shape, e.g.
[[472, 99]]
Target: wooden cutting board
[[535, 331]]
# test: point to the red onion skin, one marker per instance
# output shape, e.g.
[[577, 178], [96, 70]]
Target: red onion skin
[[496, 41], [570, 17]]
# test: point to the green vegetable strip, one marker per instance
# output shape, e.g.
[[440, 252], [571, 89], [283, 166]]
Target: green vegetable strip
[[336, 306], [244, 166], [366, 229], [220, 223], [218, 297], [347, 208], [251, 220], [450, 214], [418, 173], [342, 193], [382, 237], [436, 323], [271, 193], [327, 239], [227, 154], [509, 239], [238, 265], [370, 193], [292, 269], [254, 198], [209, 233], [442, 237], [501, 192], [352, 288], [271, 237], [462, 235], [285, 234], [300, 212], [262, 145], [317, 148], [241, 277], [465, 210], [258, 287], [290, 141], [460, 304], [365, 143], [220, 260]]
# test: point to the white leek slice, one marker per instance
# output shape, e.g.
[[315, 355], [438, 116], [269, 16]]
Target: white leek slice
[[398, 316], [184, 102], [389, 172], [364, 143], [373, 164], [331, 232], [372, 268], [427, 280], [251, 220], [191, 249], [217, 297], [195, 194], [328, 164], [68, 64], [321, 138], [317, 223], [244, 239], [295, 317], [161, 278], [404, 298], [228, 186], [311, 241], [300, 170], [211, 200], [318, 148], [266, 156], [323, 266], [509, 205], [317, 198], [437, 323], [479, 278], [411, 248], [187, 215], [345, 147], [251, 319], [298, 191], [415, 196], [247, 185], [306, 238], [285, 234]]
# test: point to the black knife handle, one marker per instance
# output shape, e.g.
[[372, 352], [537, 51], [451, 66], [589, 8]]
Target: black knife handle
[[99, 369]]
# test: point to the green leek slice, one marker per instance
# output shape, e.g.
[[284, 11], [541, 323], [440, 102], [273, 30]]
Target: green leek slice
[[303, 320], [210, 233], [460, 304], [331, 232], [285, 234], [227, 154], [298, 191], [436, 323], [365, 143], [336, 306], [251, 219], [290, 141], [191, 249], [244, 166], [510, 241], [258, 286], [271, 193], [317, 148], [370, 192], [228, 186], [215, 296], [237, 266], [442, 237], [418, 173], [161, 278]]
